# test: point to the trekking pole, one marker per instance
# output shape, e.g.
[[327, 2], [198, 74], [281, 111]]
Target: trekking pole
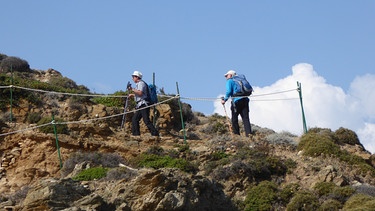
[[128, 87], [154, 107], [229, 123], [124, 116]]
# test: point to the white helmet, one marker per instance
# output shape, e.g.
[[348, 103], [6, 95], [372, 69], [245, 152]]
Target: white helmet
[[137, 73]]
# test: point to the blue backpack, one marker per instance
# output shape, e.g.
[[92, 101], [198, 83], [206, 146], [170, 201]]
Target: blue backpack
[[152, 97], [243, 87]]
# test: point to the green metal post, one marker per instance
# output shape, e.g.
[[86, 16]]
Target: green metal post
[[182, 119], [154, 107], [299, 89], [57, 139], [11, 93]]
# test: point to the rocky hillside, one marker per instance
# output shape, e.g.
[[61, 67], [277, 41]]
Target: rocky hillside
[[84, 160]]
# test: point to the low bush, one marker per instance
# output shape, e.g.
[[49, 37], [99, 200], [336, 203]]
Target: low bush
[[324, 188], [60, 128], [314, 145], [283, 138], [256, 167], [329, 190], [218, 155], [262, 196], [157, 161], [331, 205], [303, 200], [12, 63], [288, 192], [360, 202], [91, 174], [33, 117], [321, 142], [346, 136], [290, 165], [107, 160], [115, 101]]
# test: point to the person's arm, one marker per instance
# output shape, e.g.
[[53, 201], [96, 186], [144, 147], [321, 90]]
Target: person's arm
[[137, 92], [140, 89], [229, 89]]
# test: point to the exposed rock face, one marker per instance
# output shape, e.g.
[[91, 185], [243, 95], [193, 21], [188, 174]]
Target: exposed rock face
[[150, 190], [54, 194]]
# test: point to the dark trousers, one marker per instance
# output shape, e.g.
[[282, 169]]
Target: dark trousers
[[241, 107], [145, 114]]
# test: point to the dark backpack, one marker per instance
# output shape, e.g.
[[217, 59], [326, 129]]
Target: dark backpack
[[152, 97], [242, 87]]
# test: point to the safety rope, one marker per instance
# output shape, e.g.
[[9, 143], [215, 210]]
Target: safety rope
[[87, 120], [170, 97]]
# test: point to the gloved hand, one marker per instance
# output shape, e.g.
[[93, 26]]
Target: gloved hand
[[129, 86]]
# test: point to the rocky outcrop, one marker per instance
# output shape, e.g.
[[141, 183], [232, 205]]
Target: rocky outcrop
[[165, 189]]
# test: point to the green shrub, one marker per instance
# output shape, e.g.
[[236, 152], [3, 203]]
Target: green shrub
[[262, 196], [12, 63], [60, 128], [303, 200], [331, 191], [322, 143], [324, 188], [216, 127], [77, 101], [276, 165], [314, 144], [288, 192], [63, 82], [2, 56], [331, 205], [91, 174], [254, 163], [184, 148], [346, 136], [156, 162], [33, 117], [320, 131], [115, 101], [360, 202], [218, 155], [342, 193], [107, 160], [155, 150], [290, 165]]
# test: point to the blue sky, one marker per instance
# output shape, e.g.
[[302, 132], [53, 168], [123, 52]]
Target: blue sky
[[100, 43]]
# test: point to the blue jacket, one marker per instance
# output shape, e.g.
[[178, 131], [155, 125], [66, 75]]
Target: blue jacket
[[230, 84]]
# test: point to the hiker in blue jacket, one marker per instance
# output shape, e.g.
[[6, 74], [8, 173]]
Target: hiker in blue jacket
[[239, 106], [143, 111]]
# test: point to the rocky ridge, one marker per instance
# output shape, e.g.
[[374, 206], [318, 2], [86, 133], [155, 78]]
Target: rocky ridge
[[31, 177]]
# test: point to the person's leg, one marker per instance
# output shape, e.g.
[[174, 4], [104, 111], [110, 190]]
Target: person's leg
[[146, 119], [235, 126], [245, 116], [135, 123]]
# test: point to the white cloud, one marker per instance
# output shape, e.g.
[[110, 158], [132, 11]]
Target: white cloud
[[325, 105], [367, 136]]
